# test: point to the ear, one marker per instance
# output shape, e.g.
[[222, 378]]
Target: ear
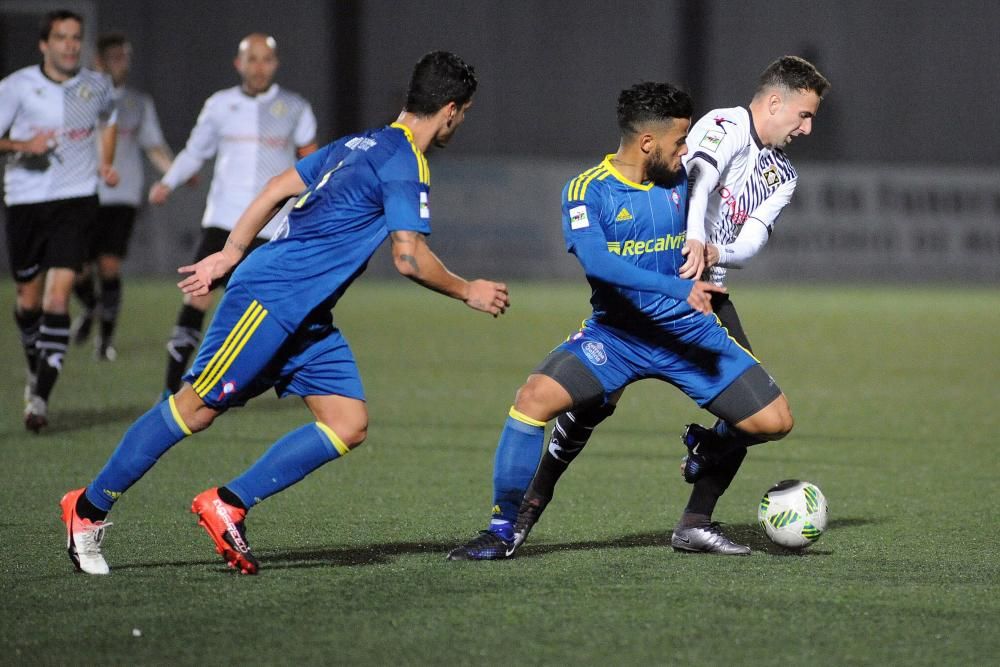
[[646, 143], [774, 103], [450, 110]]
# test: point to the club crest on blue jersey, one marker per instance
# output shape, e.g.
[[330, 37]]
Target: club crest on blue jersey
[[595, 352]]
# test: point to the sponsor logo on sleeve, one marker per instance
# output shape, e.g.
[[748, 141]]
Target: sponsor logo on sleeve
[[711, 140], [578, 217], [771, 176], [425, 210]]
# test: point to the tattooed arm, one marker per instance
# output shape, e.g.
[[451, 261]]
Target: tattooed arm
[[415, 260]]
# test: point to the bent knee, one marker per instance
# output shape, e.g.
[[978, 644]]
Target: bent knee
[[542, 398], [772, 423], [348, 435]]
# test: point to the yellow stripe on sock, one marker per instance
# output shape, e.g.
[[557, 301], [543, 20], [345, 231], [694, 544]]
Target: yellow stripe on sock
[[521, 417], [199, 383], [177, 416], [335, 440]]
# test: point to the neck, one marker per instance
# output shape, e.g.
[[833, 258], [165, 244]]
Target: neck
[[423, 128], [758, 118], [55, 74], [629, 164]]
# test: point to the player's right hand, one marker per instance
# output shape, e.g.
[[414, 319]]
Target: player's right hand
[[488, 297], [158, 193], [694, 263], [203, 273], [700, 297], [39, 144]]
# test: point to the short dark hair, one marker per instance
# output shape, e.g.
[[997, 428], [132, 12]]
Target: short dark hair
[[110, 40], [651, 102], [438, 78], [793, 73], [45, 27]]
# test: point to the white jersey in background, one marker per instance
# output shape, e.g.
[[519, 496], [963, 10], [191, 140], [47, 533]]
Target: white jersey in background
[[138, 129], [737, 188], [31, 102], [256, 139]]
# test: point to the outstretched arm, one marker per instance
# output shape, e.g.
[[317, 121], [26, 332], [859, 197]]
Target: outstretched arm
[[253, 219], [415, 260]]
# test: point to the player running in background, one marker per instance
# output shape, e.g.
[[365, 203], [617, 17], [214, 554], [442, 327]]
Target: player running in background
[[256, 130], [624, 220], [138, 132], [741, 180], [359, 190], [55, 112]]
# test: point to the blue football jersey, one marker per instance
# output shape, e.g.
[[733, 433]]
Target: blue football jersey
[[642, 224], [360, 188]]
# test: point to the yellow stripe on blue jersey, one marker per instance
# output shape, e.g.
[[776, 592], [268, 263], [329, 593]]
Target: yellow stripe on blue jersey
[[230, 349], [423, 170], [617, 174], [578, 186]]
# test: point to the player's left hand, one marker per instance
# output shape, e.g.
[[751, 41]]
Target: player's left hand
[[700, 297], [694, 264], [488, 297], [203, 273], [108, 174]]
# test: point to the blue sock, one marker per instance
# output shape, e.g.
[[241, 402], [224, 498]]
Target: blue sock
[[142, 445], [731, 437], [518, 453], [286, 462]]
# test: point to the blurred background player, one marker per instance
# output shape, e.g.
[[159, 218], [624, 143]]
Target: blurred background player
[[625, 221], [741, 180], [138, 132], [55, 112], [359, 190], [256, 131]]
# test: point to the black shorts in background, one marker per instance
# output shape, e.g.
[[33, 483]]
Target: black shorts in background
[[213, 239], [49, 235], [111, 233]]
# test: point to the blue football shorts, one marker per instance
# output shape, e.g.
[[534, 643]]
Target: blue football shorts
[[245, 352], [697, 355]]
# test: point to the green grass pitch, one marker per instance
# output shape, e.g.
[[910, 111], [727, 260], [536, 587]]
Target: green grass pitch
[[894, 390]]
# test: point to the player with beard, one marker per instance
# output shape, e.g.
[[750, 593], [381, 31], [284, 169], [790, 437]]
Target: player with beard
[[741, 180], [625, 220]]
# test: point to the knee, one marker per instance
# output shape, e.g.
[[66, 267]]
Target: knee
[[535, 400], [352, 435], [199, 419], [192, 410], [772, 423]]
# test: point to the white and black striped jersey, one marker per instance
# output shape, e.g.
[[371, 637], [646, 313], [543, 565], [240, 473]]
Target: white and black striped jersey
[[138, 129], [736, 183], [75, 109], [255, 139]]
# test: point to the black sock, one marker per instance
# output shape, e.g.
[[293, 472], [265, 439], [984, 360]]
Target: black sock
[[111, 301], [570, 434], [28, 322], [53, 339], [182, 344], [230, 498], [83, 288], [89, 510], [707, 490]]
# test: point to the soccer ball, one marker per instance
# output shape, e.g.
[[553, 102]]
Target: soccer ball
[[793, 513]]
